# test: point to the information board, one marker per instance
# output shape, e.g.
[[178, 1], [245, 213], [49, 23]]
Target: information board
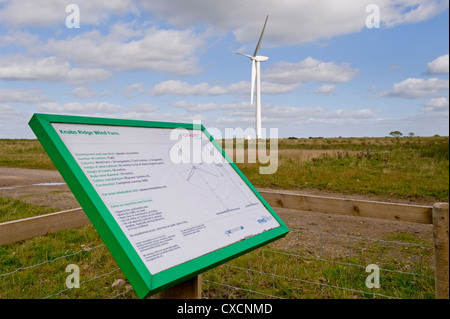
[[165, 198]]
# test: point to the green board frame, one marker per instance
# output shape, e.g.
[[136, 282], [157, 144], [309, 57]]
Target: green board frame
[[143, 282]]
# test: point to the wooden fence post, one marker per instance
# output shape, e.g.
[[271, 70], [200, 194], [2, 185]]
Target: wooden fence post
[[440, 239], [190, 289]]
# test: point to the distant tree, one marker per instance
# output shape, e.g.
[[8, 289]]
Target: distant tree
[[396, 134], [411, 134]]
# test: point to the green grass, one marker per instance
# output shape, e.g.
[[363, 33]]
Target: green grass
[[35, 268], [414, 168], [12, 209], [42, 260], [406, 168], [283, 274], [24, 153]]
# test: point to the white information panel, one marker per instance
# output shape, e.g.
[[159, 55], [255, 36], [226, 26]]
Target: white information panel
[[170, 190]]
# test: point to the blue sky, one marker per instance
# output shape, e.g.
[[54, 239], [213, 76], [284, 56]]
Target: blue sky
[[328, 74]]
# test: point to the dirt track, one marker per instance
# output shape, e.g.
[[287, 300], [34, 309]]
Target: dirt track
[[21, 183], [10, 177]]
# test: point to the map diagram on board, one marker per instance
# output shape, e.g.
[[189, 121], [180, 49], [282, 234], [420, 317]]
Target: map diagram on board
[[216, 180]]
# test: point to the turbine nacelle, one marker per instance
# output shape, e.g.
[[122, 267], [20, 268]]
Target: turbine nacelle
[[260, 58]]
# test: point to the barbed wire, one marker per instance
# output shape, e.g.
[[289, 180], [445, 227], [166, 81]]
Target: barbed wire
[[295, 279], [362, 238], [250, 270], [83, 282], [343, 263], [242, 289], [51, 261], [96, 277]]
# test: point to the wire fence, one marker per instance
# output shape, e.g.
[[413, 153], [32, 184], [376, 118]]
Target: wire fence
[[49, 279], [327, 265], [304, 264]]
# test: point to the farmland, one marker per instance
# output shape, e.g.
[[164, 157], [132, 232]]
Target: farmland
[[414, 169], [407, 170]]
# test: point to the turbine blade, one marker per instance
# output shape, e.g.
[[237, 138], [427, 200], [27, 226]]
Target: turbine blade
[[260, 38], [253, 81], [248, 56]]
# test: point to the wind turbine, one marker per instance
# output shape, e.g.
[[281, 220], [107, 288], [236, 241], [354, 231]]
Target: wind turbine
[[256, 77]]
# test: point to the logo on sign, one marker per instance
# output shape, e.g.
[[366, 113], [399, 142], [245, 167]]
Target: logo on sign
[[264, 219], [230, 231]]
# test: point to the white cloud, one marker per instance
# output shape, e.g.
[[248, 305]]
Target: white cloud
[[83, 93], [316, 113], [308, 70], [130, 89], [398, 12], [237, 111], [8, 113], [140, 111], [439, 65], [33, 13], [19, 13], [143, 108], [12, 121], [290, 22], [23, 96], [122, 47], [128, 49], [275, 88], [414, 88], [326, 89], [200, 108], [177, 87], [79, 108], [438, 104], [281, 78], [232, 108], [183, 88], [19, 39], [49, 69]]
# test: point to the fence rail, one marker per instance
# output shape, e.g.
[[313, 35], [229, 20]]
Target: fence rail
[[27, 228], [351, 207], [436, 215]]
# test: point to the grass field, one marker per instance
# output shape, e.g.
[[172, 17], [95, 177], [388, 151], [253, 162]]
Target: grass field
[[24, 154], [36, 268], [408, 168], [415, 168]]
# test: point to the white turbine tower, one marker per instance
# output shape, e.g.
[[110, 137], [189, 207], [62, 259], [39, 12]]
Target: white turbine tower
[[256, 77]]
